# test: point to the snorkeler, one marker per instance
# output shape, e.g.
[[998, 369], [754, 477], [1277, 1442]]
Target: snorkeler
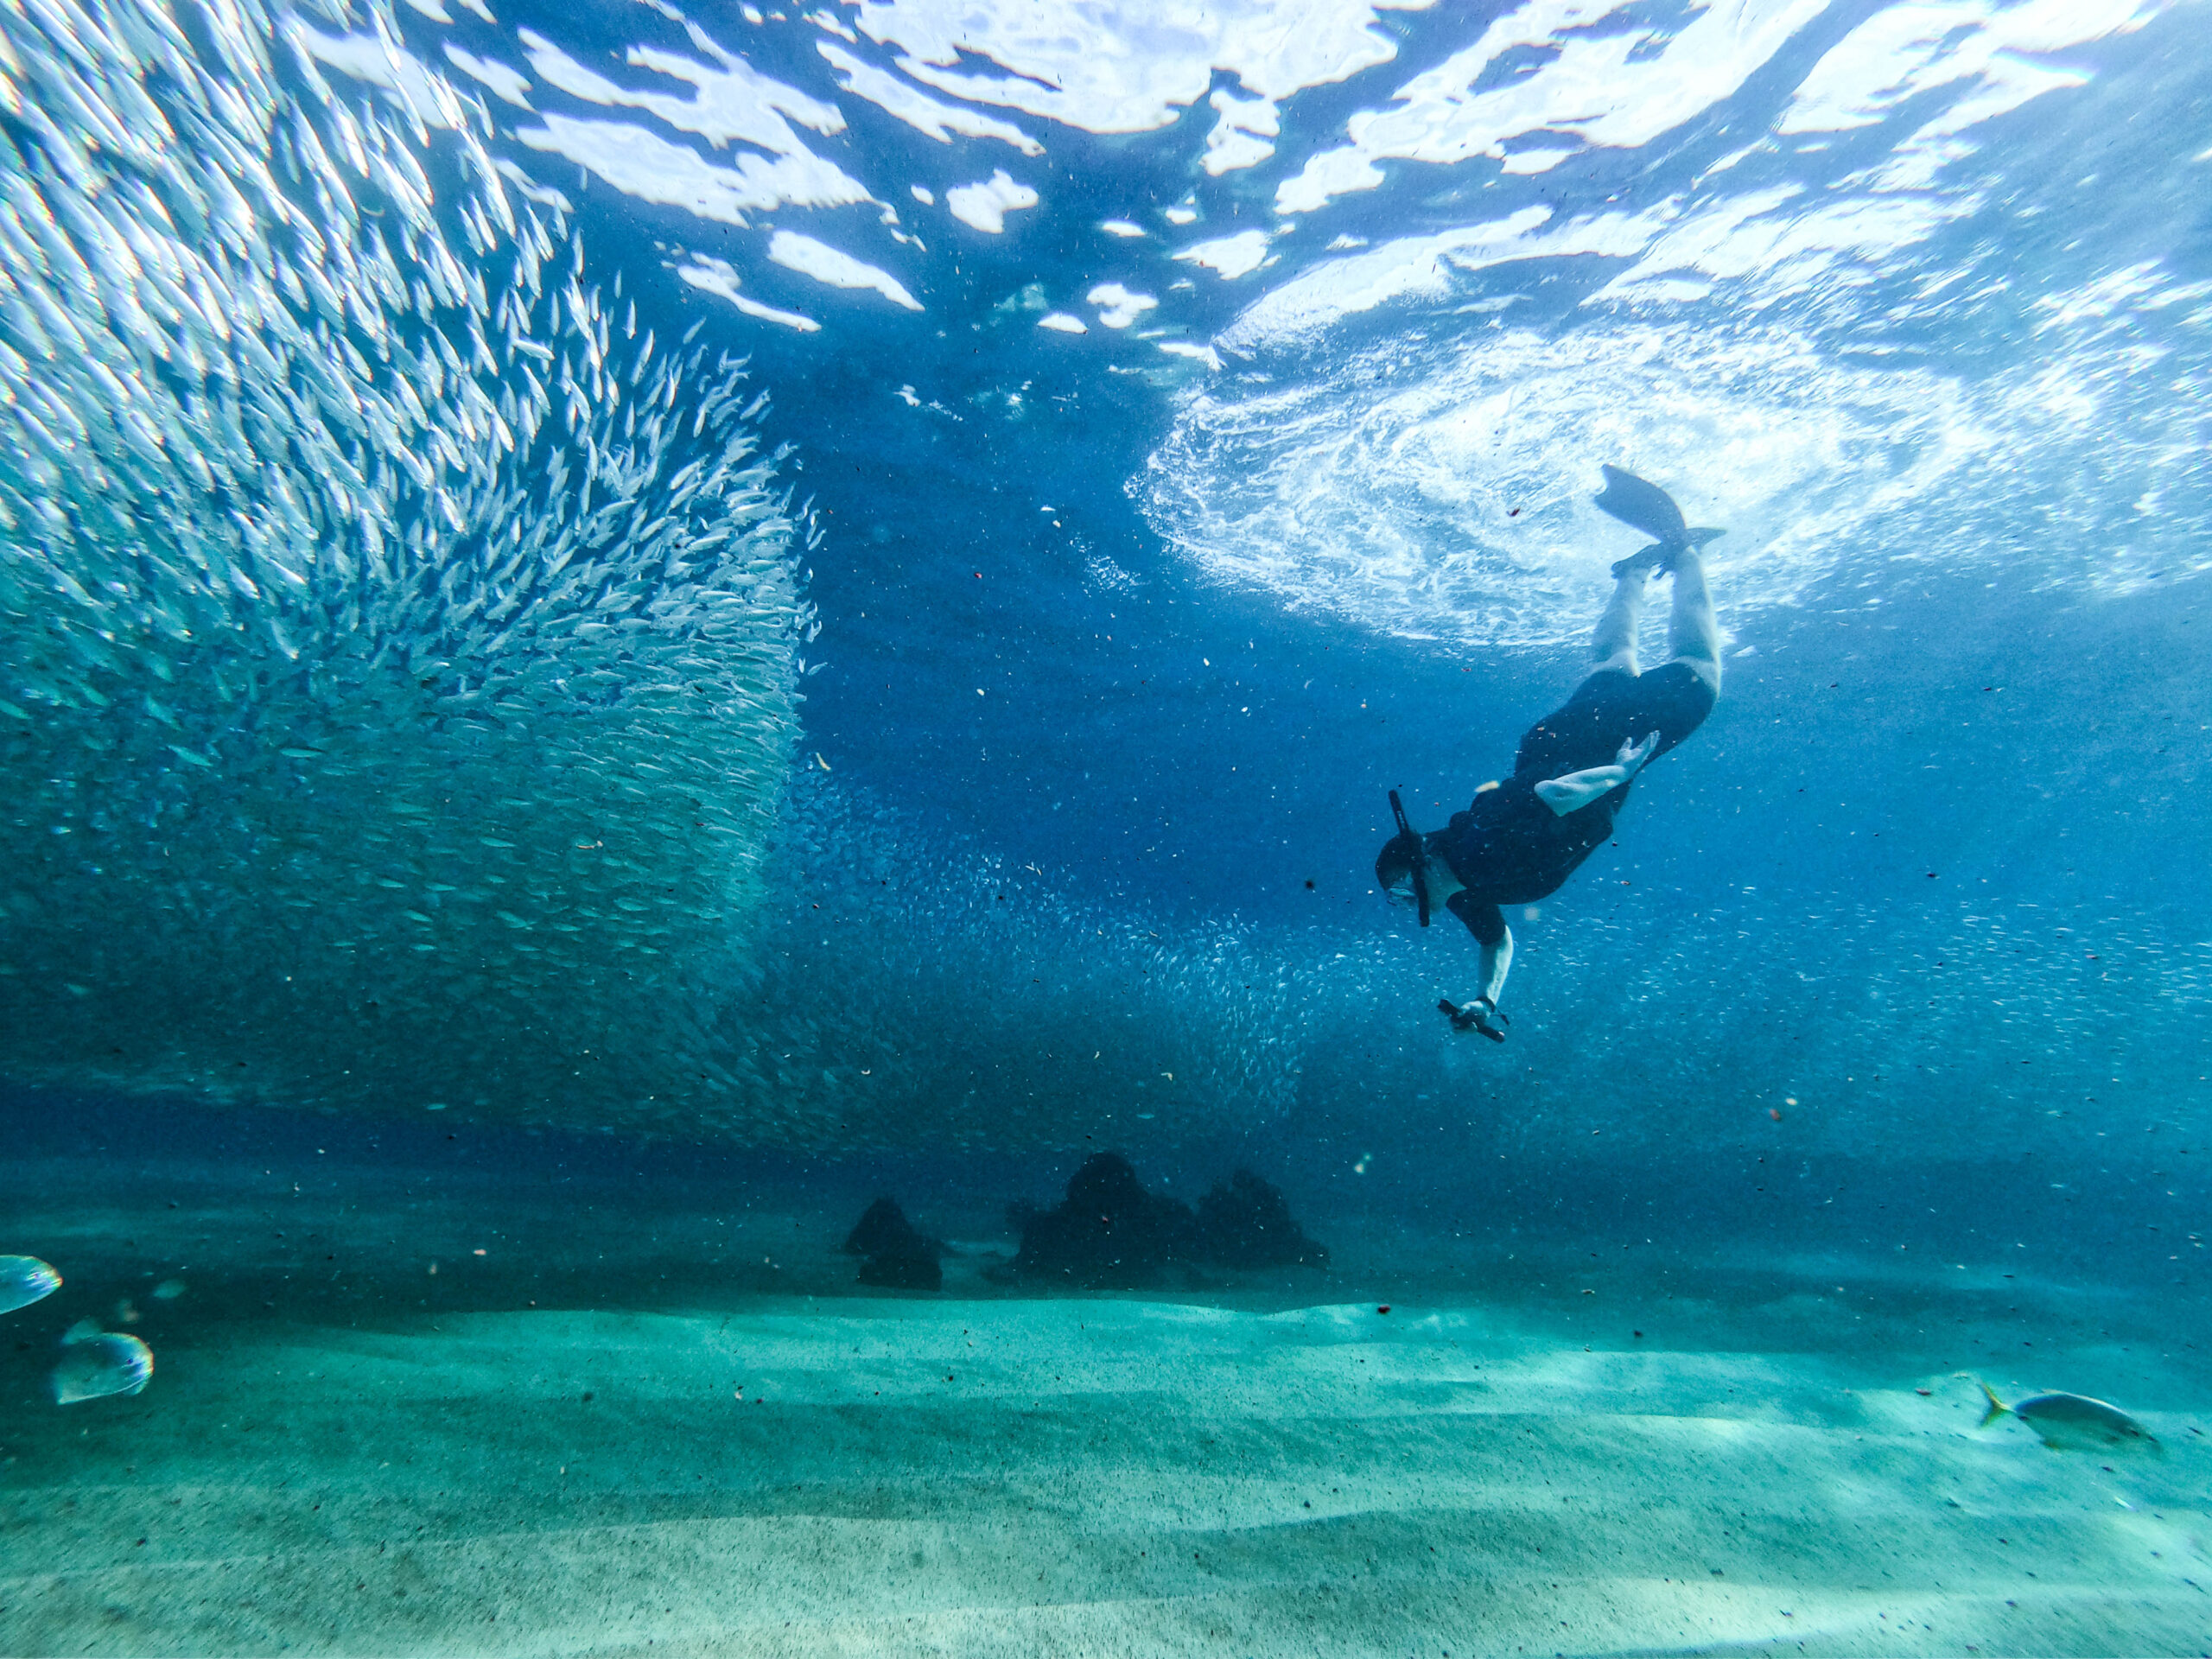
[[1522, 838]]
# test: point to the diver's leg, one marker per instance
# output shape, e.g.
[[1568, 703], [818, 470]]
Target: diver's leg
[[1613, 645], [1693, 632]]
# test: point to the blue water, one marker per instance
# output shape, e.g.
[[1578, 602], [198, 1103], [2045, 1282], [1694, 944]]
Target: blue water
[[928, 717]]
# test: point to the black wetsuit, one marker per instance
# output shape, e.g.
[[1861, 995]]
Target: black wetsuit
[[1509, 847]]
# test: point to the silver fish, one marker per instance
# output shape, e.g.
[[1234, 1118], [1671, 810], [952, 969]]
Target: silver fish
[[2073, 1422], [96, 1362], [25, 1279]]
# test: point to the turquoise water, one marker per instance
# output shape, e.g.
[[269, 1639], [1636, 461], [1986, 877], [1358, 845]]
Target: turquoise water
[[626, 631]]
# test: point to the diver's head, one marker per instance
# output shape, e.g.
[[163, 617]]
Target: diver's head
[[1401, 867], [1395, 866]]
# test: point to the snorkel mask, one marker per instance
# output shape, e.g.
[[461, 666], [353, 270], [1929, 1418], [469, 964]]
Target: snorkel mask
[[1404, 856]]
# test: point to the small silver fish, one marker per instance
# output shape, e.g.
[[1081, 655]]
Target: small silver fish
[[2073, 1422], [25, 1279], [97, 1363]]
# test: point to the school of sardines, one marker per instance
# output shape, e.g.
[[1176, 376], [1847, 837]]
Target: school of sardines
[[400, 645]]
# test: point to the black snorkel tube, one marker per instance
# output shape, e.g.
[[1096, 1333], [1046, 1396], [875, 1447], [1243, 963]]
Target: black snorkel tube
[[1418, 852]]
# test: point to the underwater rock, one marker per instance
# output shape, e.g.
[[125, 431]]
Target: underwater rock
[[1247, 1223], [1108, 1233], [894, 1255], [25, 1279], [96, 1362]]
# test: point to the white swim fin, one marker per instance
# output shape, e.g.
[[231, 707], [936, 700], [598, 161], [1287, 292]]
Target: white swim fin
[[1638, 502]]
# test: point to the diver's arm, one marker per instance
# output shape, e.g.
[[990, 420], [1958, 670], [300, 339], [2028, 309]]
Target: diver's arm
[[1482, 1014], [1498, 962], [1577, 789]]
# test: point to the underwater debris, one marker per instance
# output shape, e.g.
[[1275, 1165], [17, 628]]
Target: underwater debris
[[400, 661], [1247, 1222], [893, 1257], [2073, 1422], [25, 1279], [96, 1362], [1108, 1233]]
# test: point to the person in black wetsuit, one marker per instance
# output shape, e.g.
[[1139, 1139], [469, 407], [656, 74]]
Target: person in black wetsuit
[[1524, 836]]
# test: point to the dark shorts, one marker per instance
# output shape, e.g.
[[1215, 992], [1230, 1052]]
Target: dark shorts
[[1612, 707]]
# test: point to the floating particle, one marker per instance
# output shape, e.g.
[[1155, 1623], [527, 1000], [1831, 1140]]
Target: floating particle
[[25, 1279], [169, 1290], [96, 1362]]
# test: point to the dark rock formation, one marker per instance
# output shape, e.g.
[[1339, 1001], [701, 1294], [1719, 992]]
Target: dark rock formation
[[1247, 1223], [893, 1254], [1108, 1233]]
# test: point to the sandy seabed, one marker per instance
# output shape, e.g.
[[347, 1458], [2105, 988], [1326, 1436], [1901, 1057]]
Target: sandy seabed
[[394, 1416], [801, 1476]]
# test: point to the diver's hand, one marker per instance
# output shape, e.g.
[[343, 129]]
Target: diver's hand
[[1481, 1015], [1633, 755]]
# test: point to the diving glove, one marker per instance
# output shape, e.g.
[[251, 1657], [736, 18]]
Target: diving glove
[[1478, 1015]]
